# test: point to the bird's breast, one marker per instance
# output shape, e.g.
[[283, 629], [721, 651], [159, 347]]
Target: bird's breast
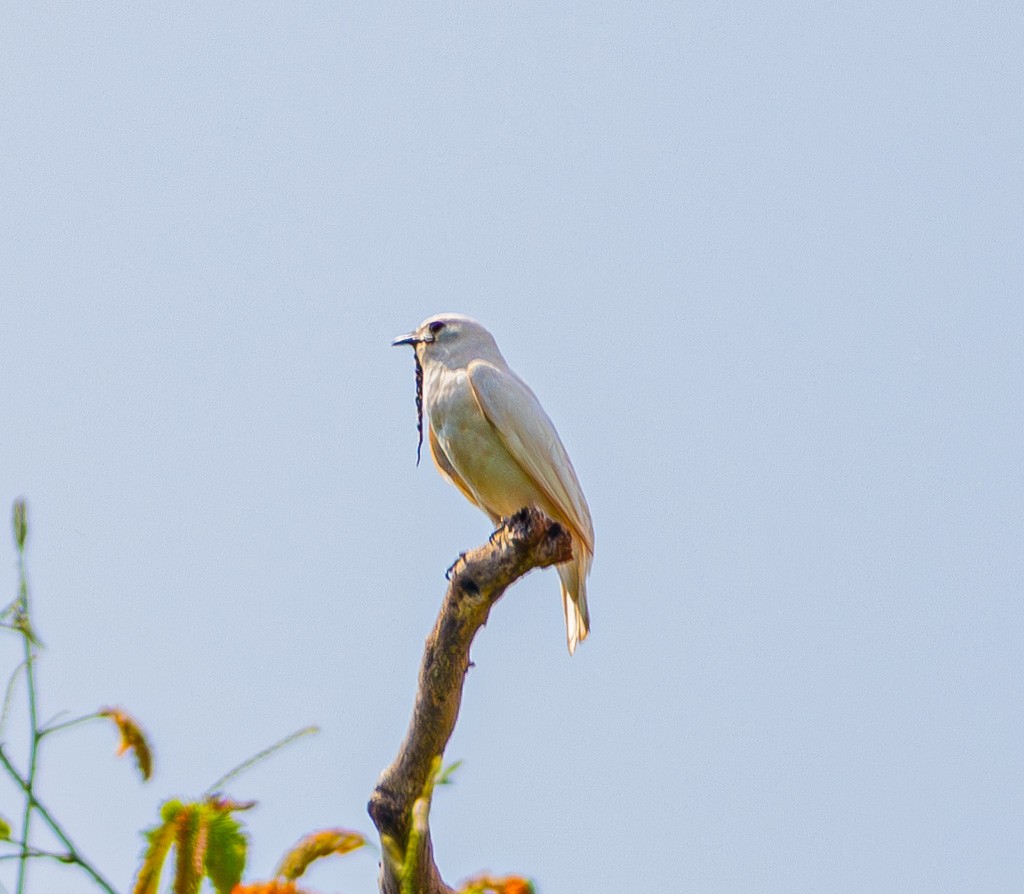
[[475, 449]]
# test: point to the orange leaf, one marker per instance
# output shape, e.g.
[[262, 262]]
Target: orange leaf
[[132, 739], [489, 884], [190, 844], [317, 845], [275, 887]]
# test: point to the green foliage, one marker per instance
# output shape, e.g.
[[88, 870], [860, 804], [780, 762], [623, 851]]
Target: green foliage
[[160, 838], [16, 617], [418, 831], [20, 519], [446, 776], [208, 843], [420, 819], [225, 856]]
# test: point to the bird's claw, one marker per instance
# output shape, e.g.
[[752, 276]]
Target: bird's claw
[[451, 568], [502, 526]]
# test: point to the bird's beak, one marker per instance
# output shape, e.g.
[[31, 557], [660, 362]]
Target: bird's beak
[[412, 339]]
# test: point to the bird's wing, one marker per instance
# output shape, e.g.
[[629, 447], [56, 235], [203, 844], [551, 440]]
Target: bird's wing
[[530, 436], [445, 467]]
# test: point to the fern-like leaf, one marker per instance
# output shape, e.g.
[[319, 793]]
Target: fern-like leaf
[[159, 838], [189, 845], [226, 848], [132, 739], [317, 845]]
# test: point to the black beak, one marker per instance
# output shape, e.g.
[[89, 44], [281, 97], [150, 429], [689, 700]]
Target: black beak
[[412, 339]]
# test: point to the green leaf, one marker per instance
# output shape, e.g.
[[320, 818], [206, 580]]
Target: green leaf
[[445, 776], [207, 840], [170, 810], [20, 520], [5, 829], [226, 848], [160, 839], [23, 625]]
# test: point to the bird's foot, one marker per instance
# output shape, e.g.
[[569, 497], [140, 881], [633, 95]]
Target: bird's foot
[[451, 568], [508, 524], [504, 524]]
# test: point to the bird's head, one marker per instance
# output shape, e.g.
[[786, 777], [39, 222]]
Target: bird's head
[[452, 340], [446, 340]]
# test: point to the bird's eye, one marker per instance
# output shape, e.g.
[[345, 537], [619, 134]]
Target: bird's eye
[[435, 327]]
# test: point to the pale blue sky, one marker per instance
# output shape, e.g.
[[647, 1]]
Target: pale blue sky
[[762, 263]]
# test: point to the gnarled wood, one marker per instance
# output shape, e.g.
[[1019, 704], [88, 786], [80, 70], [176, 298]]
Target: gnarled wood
[[527, 540]]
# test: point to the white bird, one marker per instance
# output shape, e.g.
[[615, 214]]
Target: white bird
[[490, 437]]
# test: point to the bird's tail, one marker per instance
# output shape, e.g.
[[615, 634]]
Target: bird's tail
[[574, 595]]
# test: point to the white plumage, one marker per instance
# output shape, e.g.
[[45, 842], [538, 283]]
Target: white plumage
[[490, 437]]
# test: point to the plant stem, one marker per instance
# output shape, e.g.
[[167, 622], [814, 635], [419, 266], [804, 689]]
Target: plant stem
[[256, 758], [9, 695], [33, 716], [33, 853], [57, 727], [73, 856]]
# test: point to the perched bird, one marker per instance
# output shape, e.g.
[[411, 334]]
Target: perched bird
[[490, 437]]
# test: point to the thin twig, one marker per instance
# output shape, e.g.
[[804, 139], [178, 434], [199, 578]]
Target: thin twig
[[259, 756], [57, 727], [33, 853], [73, 855], [33, 718], [9, 694]]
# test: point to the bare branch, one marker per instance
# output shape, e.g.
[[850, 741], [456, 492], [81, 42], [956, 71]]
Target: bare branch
[[527, 540]]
